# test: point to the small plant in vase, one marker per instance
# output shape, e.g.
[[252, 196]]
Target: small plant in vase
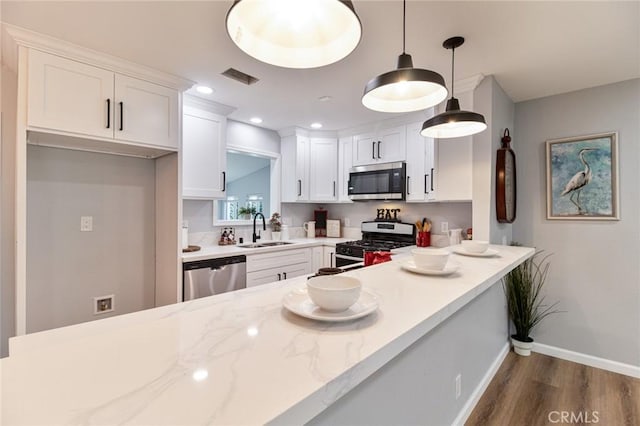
[[246, 212], [522, 288], [276, 225]]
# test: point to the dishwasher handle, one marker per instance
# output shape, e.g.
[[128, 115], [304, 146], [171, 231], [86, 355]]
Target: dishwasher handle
[[216, 263]]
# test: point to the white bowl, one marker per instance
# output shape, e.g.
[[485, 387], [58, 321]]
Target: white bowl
[[334, 293], [475, 246], [430, 258]]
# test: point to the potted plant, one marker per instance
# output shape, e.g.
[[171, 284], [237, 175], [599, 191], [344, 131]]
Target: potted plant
[[246, 212], [522, 287], [276, 225]]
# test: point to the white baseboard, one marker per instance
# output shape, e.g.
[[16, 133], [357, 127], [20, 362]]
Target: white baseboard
[[591, 361], [468, 407]]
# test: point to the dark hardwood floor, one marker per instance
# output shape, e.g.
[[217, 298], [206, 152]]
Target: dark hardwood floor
[[542, 390]]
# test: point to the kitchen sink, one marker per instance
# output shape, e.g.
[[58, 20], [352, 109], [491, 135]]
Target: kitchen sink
[[265, 244]]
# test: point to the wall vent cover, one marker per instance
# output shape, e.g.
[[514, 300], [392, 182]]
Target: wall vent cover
[[236, 75]]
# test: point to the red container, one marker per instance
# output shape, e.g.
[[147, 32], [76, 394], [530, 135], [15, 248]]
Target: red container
[[375, 257], [423, 239]]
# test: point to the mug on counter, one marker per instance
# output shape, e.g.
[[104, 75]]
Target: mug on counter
[[310, 228]]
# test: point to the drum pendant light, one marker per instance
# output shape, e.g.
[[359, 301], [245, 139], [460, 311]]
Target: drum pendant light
[[407, 88], [453, 122], [294, 33]]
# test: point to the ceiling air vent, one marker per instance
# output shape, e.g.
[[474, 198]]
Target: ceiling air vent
[[236, 75]]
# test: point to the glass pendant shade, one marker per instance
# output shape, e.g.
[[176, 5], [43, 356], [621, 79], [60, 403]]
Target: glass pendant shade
[[295, 33], [453, 123], [404, 89]]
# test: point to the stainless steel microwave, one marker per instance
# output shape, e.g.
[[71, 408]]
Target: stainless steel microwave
[[377, 182]]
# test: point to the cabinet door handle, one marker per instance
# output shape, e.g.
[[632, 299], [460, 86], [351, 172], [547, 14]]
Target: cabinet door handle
[[425, 184], [224, 181], [408, 185], [379, 157], [299, 187], [285, 275], [334, 188], [373, 150], [331, 259], [279, 277], [121, 115], [432, 178], [108, 113]]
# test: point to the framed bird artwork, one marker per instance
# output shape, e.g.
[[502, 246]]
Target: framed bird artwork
[[582, 178]]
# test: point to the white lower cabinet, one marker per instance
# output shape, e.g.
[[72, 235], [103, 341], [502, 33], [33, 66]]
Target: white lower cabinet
[[317, 258], [266, 268], [328, 257]]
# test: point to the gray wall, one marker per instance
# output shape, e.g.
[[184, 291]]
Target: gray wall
[[418, 386], [7, 213], [66, 268], [595, 272], [498, 109]]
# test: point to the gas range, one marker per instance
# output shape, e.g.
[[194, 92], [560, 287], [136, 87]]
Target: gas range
[[376, 236]]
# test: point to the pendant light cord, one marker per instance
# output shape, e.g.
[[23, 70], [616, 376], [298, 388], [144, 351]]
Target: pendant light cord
[[453, 55], [404, 24]]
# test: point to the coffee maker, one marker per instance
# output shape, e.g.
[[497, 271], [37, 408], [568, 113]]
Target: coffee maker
[[320, 217]]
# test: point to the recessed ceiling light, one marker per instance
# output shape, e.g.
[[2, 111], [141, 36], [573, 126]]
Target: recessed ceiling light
[[204, 90], [256, 120], [325, 98], [316, 125]]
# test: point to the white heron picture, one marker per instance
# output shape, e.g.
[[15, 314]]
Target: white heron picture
[[582, 178]]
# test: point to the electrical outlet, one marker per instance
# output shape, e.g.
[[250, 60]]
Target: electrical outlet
[[458, 385], [444, 227], [347, 222], [86, 223], [103, 304]]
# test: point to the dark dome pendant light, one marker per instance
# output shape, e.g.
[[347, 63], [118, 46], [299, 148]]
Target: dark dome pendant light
[[406, 88], [453, 122]]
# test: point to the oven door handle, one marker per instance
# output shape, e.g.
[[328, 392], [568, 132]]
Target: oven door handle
[[342, 256]]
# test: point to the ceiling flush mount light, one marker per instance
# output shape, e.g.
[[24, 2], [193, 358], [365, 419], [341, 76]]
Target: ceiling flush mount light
[[256, 120], [294, 33], [316, 125], [204, 90], [453, 122], [406, 88]]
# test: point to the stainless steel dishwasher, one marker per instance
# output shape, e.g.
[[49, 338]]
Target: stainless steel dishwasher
[[213, 276]]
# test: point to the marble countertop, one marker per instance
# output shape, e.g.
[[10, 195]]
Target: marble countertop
[[212, 252], [234, 358]]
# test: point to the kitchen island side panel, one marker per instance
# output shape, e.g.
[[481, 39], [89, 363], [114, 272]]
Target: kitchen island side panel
[[418, 386]]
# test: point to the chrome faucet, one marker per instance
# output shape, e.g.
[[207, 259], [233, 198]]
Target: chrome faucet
[[256, 237]]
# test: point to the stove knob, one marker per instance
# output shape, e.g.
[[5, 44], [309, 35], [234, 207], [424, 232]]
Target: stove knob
[[348, 251]]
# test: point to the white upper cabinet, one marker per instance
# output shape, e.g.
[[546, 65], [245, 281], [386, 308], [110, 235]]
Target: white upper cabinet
[[204, 155], [383, 146], [345, 162], [67, 96], [146, 112], [454, 169], [309, 168], [323, 169], [294, 150], [420, 165]]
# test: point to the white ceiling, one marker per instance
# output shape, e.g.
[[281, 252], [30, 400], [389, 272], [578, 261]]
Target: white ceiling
[[534, 49]]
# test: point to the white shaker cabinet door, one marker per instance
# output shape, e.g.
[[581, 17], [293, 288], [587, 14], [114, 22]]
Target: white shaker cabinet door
[[146, 113], [323, 169], [203, 154], [69, 96], [392, 144], [365, 149]]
